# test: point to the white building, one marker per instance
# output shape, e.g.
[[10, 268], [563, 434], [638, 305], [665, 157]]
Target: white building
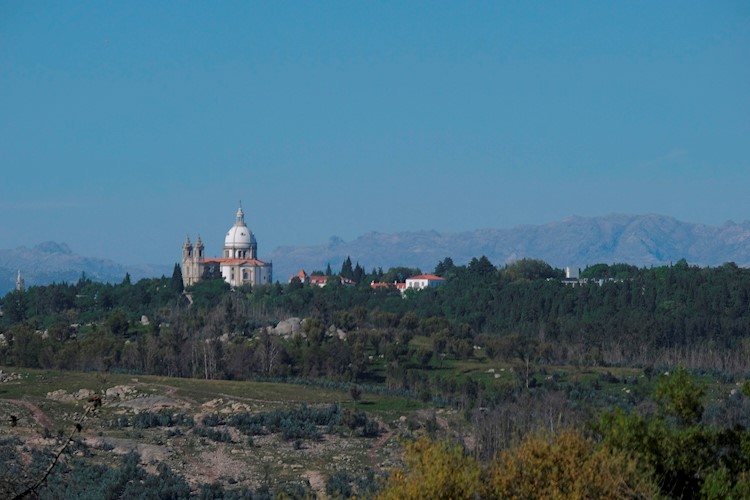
[[422, 281], [572, 273], [238, 265]]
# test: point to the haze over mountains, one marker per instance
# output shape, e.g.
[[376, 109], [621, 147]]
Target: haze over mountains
[[642, 240], [50, 262]]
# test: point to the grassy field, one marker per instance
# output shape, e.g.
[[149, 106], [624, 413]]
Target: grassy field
[[36, 384]]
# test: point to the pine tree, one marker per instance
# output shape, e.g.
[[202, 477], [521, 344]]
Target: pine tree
[[346, 269], [444, 266], [359, 273], [176, 283]]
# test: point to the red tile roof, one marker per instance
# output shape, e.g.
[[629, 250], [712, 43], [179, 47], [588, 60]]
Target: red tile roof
[[301, 275], [429, 277], [382, 285], [235, 262]]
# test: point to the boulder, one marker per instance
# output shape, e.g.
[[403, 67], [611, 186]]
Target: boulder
[[288, 326]]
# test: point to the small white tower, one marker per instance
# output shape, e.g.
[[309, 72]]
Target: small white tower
[[19, 282]]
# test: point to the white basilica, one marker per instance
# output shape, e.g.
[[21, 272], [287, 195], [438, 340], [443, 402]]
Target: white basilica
[[238, 264]]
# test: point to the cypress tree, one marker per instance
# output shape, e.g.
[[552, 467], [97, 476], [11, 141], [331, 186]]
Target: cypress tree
[[176, 283]]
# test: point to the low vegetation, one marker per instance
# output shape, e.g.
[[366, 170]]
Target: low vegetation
[[669, 451], [508, 363]]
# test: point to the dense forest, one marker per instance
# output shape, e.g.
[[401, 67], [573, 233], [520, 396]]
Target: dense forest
[[617, 315], [524, 314], [625, 327]]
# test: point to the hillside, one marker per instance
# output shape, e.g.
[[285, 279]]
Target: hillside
[[194, 432], [488, 357]]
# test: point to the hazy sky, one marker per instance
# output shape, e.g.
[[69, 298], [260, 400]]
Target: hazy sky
[[125, 125]]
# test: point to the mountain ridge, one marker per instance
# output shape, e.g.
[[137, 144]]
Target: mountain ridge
[[51, 261], [641, 240]]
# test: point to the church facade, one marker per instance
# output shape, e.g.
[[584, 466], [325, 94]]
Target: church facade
[[238, 264]]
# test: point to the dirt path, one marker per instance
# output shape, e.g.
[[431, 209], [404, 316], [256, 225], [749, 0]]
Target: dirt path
[[377, 445], [38, 414]]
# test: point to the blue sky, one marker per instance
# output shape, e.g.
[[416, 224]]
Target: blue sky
[[126, 125]]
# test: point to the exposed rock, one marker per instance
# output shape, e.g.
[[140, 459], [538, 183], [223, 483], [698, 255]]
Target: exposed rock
[[120, 392], [288, 327], [80, 395], [9, 377], [84, 394], [60, 395], [152, 403], [336, 332]]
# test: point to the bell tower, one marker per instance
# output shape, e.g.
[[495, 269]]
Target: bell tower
[[187, 250], [198, 255], [192, 257]]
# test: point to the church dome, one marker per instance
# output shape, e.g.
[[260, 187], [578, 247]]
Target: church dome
[[239, 236]]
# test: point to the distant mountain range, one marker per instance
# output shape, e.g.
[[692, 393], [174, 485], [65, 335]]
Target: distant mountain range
[[51, 262], [642, 240]]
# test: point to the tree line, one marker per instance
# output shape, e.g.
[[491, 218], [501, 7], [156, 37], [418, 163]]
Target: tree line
[[620, 315], [669, 448]]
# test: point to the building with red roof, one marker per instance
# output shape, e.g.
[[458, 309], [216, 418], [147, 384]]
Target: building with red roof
[[238, 265]]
